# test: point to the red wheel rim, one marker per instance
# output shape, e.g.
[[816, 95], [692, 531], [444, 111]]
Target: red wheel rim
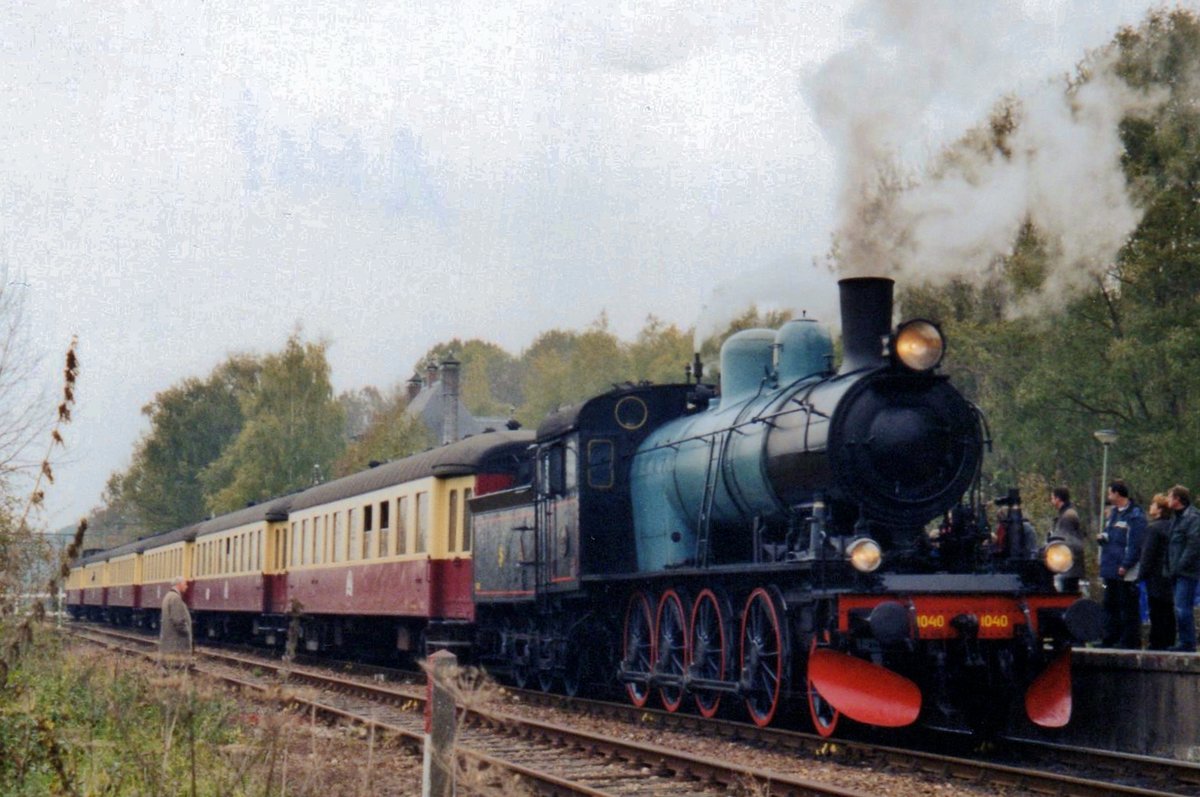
[[762, 656], [707, 626], [637, 643], [824, 716], [670, 651]]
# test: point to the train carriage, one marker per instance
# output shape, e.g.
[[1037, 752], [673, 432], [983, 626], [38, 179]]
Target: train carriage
[[233, 582], [124, 576], [93, 592], [165, 558], [386, 554]]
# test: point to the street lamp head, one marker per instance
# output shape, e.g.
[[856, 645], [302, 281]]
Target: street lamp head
[[1106, 436]]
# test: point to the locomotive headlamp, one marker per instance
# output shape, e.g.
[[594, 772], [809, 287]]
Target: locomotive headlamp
[[919, 345], [865, 554], [1058, 557]]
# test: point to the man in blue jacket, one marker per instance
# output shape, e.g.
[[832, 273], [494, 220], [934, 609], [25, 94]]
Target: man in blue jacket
[[1183, 563], [1120, 549]]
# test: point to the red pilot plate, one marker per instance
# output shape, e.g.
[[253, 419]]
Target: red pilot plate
[[864, 691]]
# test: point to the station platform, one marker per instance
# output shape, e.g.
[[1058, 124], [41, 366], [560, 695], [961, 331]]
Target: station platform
[[1139, 702]]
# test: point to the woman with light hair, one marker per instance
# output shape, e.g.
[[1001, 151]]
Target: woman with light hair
[[1159, 593]]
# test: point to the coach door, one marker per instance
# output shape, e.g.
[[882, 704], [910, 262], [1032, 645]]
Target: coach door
[[558, 510]]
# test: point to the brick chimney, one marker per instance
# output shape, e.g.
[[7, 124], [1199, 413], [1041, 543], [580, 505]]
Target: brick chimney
[[450, 374], [431, 373], [414, 386]]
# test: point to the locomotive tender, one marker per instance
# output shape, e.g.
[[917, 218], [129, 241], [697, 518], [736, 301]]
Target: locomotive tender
[[768, 546]]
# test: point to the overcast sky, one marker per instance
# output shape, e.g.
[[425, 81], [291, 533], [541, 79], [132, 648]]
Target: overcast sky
[[180, 181]]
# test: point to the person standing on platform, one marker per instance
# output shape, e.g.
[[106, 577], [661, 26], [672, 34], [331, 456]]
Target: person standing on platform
[[1159, 592], [1183, 563], [1068, 530], [1120, 552]]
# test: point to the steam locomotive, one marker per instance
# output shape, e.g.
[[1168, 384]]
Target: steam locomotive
[[803, 537], [769, 545]]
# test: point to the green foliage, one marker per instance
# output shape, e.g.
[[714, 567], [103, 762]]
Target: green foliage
[[1120, 354], [291, 435], [490, 376], [191, 424], [660, 352], [71, 725], [390, 434], [562, 368]]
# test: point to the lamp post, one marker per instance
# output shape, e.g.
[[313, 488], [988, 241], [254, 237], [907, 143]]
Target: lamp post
[[1106, 437]]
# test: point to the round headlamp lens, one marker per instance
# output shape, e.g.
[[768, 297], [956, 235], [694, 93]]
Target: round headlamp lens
[[1058, 557], [920, 345], [865, 555]]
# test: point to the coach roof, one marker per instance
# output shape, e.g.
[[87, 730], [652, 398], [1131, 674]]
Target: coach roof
[[462, 458], [275, 510]]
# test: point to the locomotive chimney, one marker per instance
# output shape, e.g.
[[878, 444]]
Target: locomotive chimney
[[866, 321], [449, 399]]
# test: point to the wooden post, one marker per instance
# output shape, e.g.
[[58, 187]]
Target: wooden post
[[440, 727]]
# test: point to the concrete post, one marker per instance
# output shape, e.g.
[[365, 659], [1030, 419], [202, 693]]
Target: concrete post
[[440, 727]]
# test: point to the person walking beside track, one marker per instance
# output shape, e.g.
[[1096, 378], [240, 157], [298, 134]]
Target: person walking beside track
[[1183, 564], [175, 628], [1159, 594]]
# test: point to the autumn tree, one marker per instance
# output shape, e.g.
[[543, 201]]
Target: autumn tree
[[659, 353], [1121, 352], [293, 431], [191, 424], [490, 377], [390, 434]]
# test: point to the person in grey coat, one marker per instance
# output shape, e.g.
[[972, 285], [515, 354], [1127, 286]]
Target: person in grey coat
[[175, 627], [1068, 530]]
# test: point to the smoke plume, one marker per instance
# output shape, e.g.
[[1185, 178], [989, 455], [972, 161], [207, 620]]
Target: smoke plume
[[1051, 155]]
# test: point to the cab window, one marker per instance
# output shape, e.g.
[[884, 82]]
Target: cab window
[[600, 464]]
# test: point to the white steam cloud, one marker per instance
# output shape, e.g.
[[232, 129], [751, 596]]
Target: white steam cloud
[[1060, 168]]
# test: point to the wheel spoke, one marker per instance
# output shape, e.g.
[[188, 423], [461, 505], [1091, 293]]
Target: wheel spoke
[[708, 648], [638, 641], [762, 656]]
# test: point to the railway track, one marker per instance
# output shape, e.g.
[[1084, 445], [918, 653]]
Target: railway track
[[505, 745]]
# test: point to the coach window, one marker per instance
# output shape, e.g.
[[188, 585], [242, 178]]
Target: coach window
[[368, 530], [402, 524], [384, 528], [600, 464], [339, 541], [452, 522], [466, 538], [227, 562], [422, 528], [318, 540]]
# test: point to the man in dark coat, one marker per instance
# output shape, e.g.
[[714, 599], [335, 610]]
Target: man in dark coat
[[175, 627], [1183, 563], [1120, 552], [1067, 530], [1159, 595]]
